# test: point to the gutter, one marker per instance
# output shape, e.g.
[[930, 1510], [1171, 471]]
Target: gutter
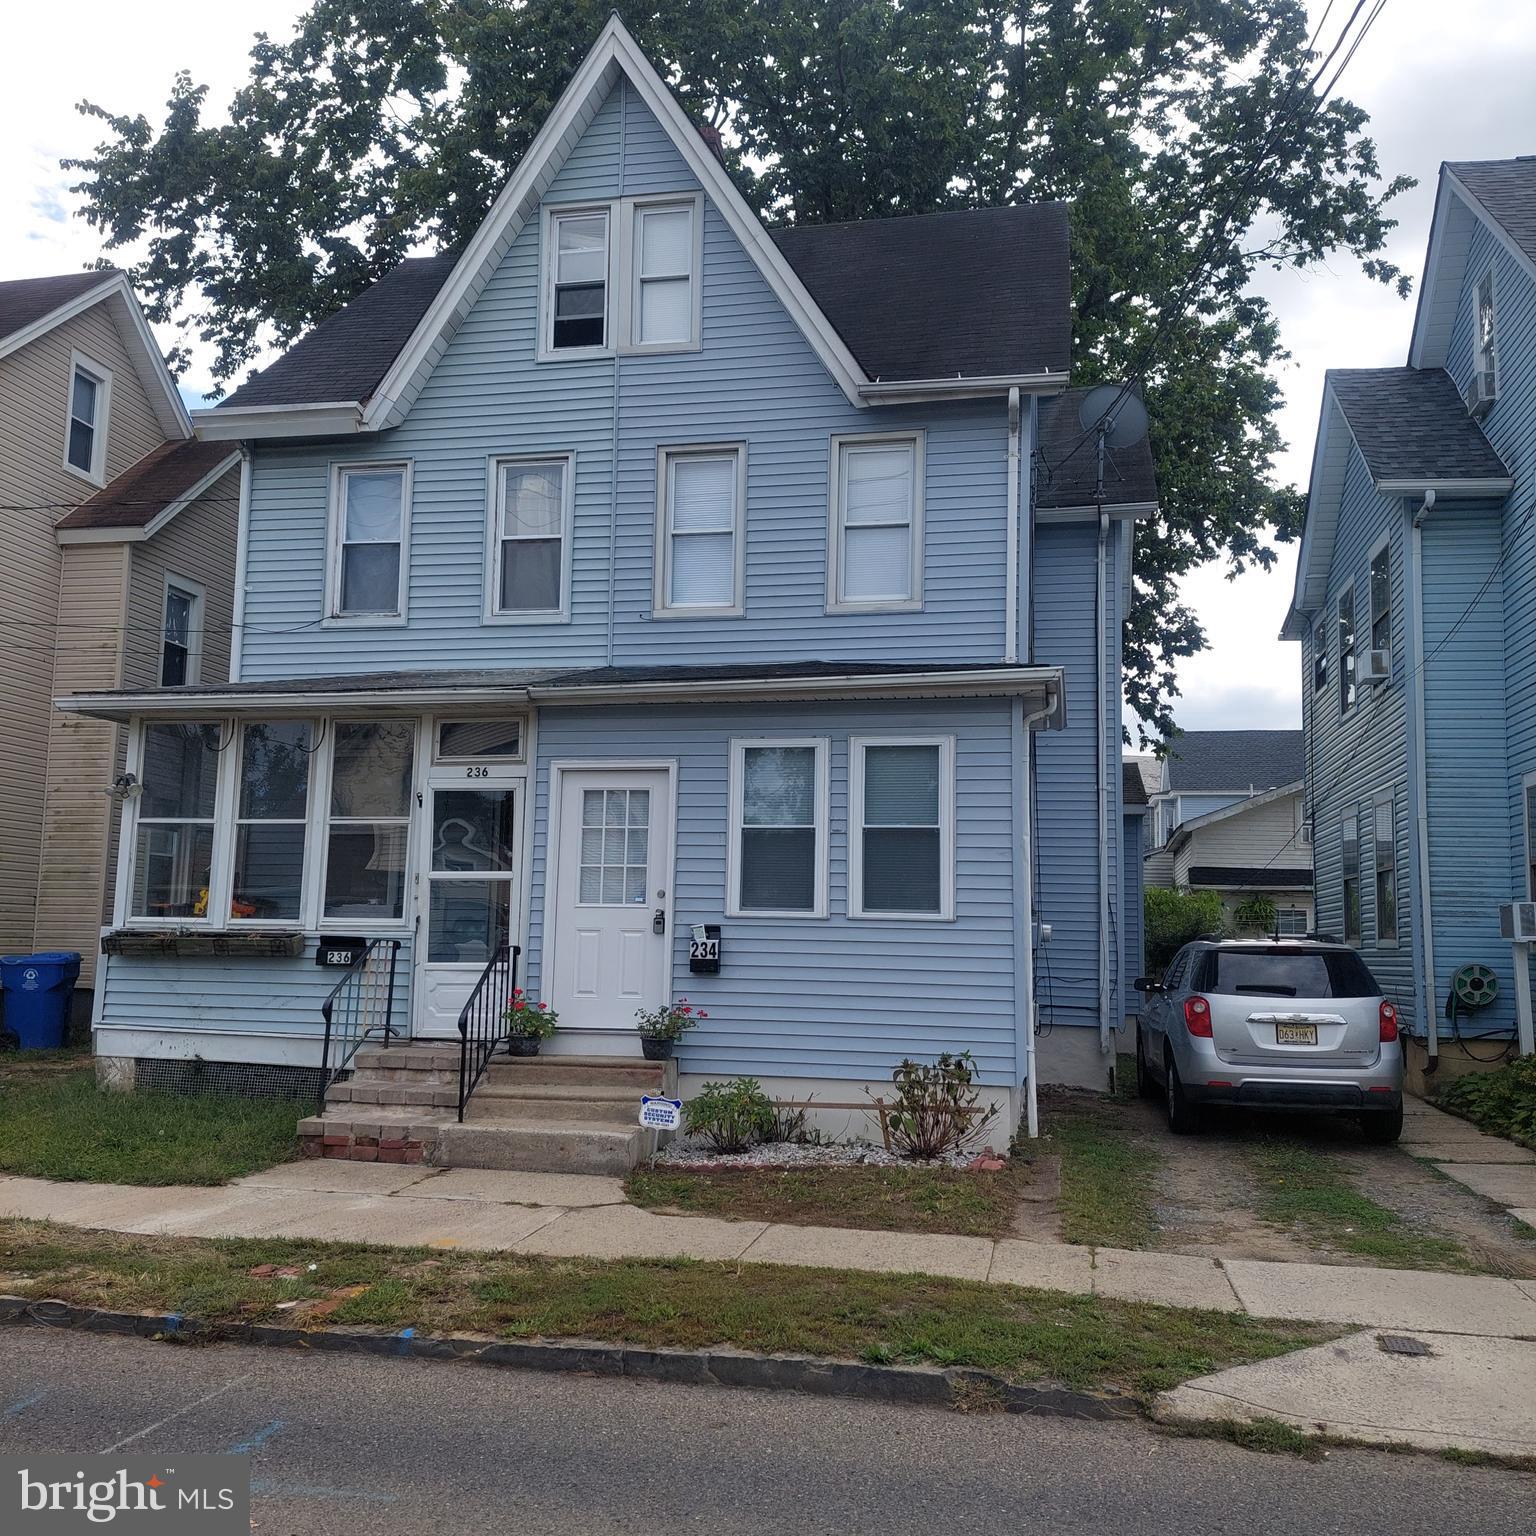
[[1026, 909], [1421, 782], [961, 387], [1011, 560], [328, 418], [1101, 610]]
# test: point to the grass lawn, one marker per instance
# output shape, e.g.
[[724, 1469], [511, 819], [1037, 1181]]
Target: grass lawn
[[877, 1199], [1306, 1189], [1107, 1173], [56, 1124], [1023, 1335]]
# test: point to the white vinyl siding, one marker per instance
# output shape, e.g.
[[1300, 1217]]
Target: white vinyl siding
[[700, 530], [901, 825], [370, 542], [779, 814], [528, 539], [875, 553]]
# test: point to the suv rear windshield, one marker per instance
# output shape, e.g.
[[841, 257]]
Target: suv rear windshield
[[1286, 972]]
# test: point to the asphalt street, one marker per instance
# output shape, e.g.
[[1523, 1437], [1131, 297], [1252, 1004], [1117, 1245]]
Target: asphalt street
[[363, 1446]]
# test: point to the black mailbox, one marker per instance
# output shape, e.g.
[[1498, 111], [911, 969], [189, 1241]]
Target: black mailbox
[[333, 950], [704, 950]]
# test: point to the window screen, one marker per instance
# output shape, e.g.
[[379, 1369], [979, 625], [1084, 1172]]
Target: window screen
[[778, 831], [902, 836]]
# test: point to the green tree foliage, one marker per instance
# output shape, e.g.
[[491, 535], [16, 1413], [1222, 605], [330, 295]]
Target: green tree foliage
[[1173, 918], [386, 125]]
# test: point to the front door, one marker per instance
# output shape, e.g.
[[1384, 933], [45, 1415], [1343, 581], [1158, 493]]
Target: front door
[[610, 904], [470, 903]]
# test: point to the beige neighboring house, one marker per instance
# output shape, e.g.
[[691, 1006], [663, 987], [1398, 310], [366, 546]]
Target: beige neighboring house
[[117, 553], [1254, 847]]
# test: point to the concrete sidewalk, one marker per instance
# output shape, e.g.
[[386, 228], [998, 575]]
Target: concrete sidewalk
[[1489, 1166], [574, 1216]]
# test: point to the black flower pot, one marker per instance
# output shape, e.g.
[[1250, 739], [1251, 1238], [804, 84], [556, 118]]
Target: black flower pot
[[523, 1045], [656, 1050]]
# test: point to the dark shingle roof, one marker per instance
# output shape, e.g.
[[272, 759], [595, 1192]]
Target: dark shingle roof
[[26, 300], [1067, 469], [1261, 876], [1133, 789], [347, 354], [1411, 424], [1206, 760], [1507, 189], [142, 492], [973, 292]]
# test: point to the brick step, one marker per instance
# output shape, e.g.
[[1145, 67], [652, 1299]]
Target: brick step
[[424, 1057], [508, 1100], [597, 1071], [427, 1095], [568, 1146]]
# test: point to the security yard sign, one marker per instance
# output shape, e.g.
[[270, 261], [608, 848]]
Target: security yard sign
[[660, 1114]]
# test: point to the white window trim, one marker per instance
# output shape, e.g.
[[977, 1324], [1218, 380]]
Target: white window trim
[[662, 564], [80, 363], [1527, 784], [1384, 797], [1320, 652], [1352, 814], [857, 746], [1490, 275], [1348, 589], [227, 826], [629, 211], [547, 352], [736, 810], [1383, 545], [195, 622], [914, 601], [491, 585], [334, 618]]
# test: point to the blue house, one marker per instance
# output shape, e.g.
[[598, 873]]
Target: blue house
[[707, 610], [1415, 606]]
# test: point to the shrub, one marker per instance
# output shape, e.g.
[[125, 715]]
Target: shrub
[[937, 1108], [1503, 1102], [730, 1116], [1256, 915], [1176, 917]]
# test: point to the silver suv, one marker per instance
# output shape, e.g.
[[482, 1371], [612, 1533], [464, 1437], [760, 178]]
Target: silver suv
[[1283, 1024]]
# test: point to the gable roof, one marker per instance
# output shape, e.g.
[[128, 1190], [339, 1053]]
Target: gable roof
[[1133, 788], [1506, 189], [1068, 462], [30, 307], [1235, 760], [147, 495], [1411, 424], [889, 287], [300, 402], [1187, 829]]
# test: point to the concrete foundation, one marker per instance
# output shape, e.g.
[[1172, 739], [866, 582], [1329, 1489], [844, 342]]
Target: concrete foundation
[[1069, 1055], [1454, 1061], [115, 1073]]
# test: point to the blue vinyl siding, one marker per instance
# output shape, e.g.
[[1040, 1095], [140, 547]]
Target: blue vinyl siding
[[830, 997]]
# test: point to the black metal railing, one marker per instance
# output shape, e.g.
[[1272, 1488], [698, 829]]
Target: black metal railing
[[359, 1007], [482, 1020]]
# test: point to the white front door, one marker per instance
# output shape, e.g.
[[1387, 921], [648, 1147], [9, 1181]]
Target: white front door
[[469, 906], [610, 906]]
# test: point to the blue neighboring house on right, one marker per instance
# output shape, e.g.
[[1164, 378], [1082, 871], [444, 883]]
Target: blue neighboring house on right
[[1415, 606]]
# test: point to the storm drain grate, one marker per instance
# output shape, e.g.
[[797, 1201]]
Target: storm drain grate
[[1401, 1344]]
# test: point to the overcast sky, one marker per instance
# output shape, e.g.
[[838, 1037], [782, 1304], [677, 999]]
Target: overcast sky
[[1441, 81]]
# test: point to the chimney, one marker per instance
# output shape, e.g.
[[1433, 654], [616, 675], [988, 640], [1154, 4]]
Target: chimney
[[711, 136]]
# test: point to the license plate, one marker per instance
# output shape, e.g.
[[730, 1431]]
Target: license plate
[[1295, 1034]]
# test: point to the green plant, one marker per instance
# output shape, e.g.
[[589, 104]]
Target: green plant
[[534, 1020], [1256, 915], [1503, 1102], [936, 1109], [789, 1125], [1176, 917], [669, 1022], [730, 1116]]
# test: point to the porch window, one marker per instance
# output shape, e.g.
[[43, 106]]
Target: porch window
[[530, 528], [270, 821], [1349, 840], [369, 525], [369, 821], [1346, 650], [1384, 849], [778, 819], [181, 640], [576, 257], [665, 299], [901, 813], [173, 842], [877, 523], [702, 494]]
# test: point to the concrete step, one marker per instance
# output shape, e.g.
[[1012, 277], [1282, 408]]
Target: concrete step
[[424, 1056], [505, 1098], [424, 1095], [568, 1146], [594, 1071]]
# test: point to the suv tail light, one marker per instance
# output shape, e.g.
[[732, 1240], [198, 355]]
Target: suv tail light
[[1197, 1017], [1388, 1015]]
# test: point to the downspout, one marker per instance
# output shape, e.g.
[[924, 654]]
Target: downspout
[[1420, 772], [1011, 559], [242, 556], [1027, 920], [1101, 609]]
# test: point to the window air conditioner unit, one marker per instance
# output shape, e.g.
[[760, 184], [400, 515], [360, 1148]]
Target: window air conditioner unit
[[1378, 667], [1517, 922], [1480, 394]]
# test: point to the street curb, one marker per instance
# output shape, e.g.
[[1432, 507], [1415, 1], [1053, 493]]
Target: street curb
[[912, 1385]]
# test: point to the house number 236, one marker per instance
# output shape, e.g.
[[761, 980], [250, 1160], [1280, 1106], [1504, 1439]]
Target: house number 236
[[477, 773]]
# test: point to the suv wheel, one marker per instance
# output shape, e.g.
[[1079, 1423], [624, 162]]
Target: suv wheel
[[1183, 1117], [1146, 1084], [1382, 1127]]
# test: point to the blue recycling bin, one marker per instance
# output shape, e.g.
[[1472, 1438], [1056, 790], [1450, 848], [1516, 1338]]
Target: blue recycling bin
[[38, 989]]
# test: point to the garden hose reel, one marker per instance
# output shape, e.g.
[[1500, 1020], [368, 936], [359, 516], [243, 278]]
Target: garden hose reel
[[1472, 987]]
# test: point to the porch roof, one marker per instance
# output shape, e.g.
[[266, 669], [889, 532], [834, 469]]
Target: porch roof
[[491, 687]]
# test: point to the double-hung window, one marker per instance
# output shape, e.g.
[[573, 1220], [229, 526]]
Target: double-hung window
[[368, 827], [701, 500], [664, 297], [270, 819], [1528, 804], [901, 827], [778, 828], [1381, 599], [1349, 841], [1319, 658], [1384, 852], [530, 527], [1346, 650], [576, 281], [174, 831], [85, 437], [181, 634], [1485, 338], [876, 534], [370, 520]]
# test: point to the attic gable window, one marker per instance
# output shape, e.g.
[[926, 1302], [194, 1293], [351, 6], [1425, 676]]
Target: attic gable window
[[665, 260], [1484, 339], [576, 255], [1346, 650], [1320, 658], [85, 440]]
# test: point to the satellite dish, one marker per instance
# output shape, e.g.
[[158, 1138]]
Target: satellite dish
[[1120, 410]]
